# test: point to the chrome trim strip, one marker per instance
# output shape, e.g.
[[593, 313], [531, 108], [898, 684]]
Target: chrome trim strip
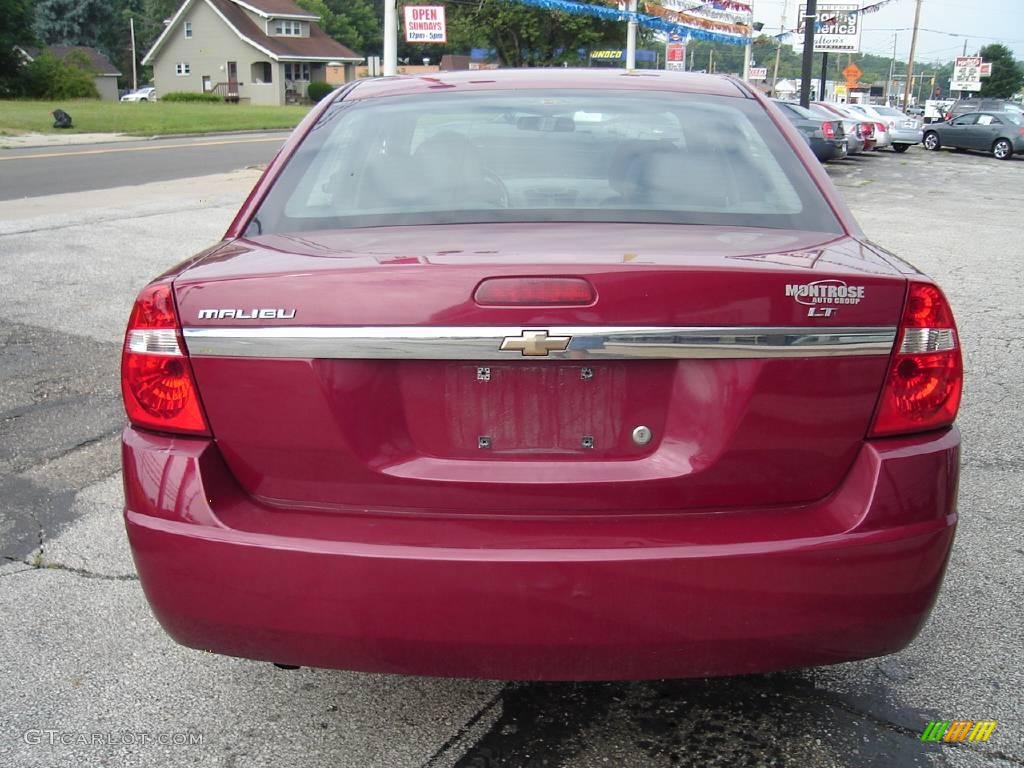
[[587, 342]]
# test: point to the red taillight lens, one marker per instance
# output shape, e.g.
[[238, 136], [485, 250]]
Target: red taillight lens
[[1021, 131], [828, 130], [534, 291], [925, 379], [880, 127], [157, 385]]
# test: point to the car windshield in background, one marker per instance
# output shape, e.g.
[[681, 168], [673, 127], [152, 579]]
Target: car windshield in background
[[544, 156], [890, 112]]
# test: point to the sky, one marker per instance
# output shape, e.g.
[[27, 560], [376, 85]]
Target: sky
[[979, 22]]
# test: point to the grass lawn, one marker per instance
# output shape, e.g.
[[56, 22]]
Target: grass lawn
[[143, 119]]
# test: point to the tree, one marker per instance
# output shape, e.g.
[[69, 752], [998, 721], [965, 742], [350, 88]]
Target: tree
[[351, 22], [15, 30], [47, 77], [1007, 76], [72, 22], [527, 36]]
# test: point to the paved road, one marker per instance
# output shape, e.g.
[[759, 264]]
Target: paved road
[[81, 655], [51, 170]]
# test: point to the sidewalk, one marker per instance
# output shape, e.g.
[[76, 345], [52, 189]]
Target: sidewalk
[[35, 140]]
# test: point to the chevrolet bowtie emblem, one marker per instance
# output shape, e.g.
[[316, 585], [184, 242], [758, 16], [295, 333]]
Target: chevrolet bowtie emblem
[[535, 343]]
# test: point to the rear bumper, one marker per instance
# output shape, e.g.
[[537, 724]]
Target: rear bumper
[[907, 135], [852, 576]]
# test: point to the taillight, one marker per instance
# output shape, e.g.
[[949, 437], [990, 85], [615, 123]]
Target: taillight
[[157, 385], [1021, 129], [828, 130], [880, 127], [925, 378], [535, 291]]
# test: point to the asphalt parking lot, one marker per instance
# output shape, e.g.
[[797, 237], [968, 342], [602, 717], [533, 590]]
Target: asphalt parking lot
[[89, 678]]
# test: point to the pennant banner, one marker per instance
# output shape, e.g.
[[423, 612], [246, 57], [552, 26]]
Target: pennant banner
[[714, 34]]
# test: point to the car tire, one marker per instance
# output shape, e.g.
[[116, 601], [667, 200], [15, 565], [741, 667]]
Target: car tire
[[901, 148], [932, 141], [1002, 149], [143, 99]]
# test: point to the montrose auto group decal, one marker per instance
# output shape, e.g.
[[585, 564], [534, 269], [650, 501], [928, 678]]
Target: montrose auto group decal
[[824, 297]]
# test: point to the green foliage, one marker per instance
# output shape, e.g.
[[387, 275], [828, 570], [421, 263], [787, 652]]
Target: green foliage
[[351, 22], [317, 90], [526, 36], [1007, 76], [47, 77], [188, 96], [72, 22], [15, 29]]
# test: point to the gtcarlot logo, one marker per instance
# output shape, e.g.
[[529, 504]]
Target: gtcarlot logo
[[53, 737]]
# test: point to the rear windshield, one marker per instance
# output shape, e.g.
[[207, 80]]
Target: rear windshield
[[889, 111], [544, 156]]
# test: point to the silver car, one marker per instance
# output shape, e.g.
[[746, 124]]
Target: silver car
[[904, 130]]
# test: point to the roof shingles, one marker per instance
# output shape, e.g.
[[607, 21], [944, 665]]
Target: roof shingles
[[318, 45]]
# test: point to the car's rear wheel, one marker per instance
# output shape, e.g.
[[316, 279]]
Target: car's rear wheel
[[931, 141], [143, 99], [901, 148], [1002, 149]]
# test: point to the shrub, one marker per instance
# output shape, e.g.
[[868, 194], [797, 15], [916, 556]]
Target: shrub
[[317, 90], [47, 77], [212, 98]]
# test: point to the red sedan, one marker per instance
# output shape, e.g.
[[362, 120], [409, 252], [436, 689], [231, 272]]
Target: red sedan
[[543, 375]]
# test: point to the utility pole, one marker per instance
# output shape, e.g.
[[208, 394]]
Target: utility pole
[[631, 37], [824, 76], [390, 63], [892, 70], [778, 50], [810, 22], [711, 61], [135, 74], [910, 62], [748, 49]]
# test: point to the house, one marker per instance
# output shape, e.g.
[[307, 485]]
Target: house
[[254, 51], [106, 74]]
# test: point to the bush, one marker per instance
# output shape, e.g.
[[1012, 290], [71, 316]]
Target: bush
[[47, 77], [211, 98], [318, 90]]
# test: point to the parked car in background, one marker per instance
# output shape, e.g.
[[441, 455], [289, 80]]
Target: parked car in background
[[935, 110], [855, 124], [418, 413], [142, 94], [999, 133], [826, 137], [915, 111], [904, 130], [979, 104]]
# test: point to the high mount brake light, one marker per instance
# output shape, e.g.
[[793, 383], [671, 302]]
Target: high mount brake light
[[925, 379], [157, 384], [534, 291]]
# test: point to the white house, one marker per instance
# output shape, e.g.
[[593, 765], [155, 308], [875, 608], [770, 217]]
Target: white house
[[256, 51]]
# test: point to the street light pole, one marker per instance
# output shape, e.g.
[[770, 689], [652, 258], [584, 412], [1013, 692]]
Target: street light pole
[[778, 49], [631, 37], [910, 62], [892, 70], [135, 73], [390, 38], [810, 21]]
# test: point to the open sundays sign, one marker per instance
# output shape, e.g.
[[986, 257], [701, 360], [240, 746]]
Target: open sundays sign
[[425, 24]]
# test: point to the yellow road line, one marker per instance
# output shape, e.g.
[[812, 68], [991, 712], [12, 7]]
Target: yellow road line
[[137, 149]]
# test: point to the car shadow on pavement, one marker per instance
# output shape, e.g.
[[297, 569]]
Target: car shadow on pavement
[[759, 720]]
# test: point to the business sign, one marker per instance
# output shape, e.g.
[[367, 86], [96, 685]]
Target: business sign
[[838, 27], [966, 73], [675, 57], [425, 24], [757, 73]]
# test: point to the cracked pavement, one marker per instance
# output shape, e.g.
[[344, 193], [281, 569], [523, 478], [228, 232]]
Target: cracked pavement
[[80, 652]]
